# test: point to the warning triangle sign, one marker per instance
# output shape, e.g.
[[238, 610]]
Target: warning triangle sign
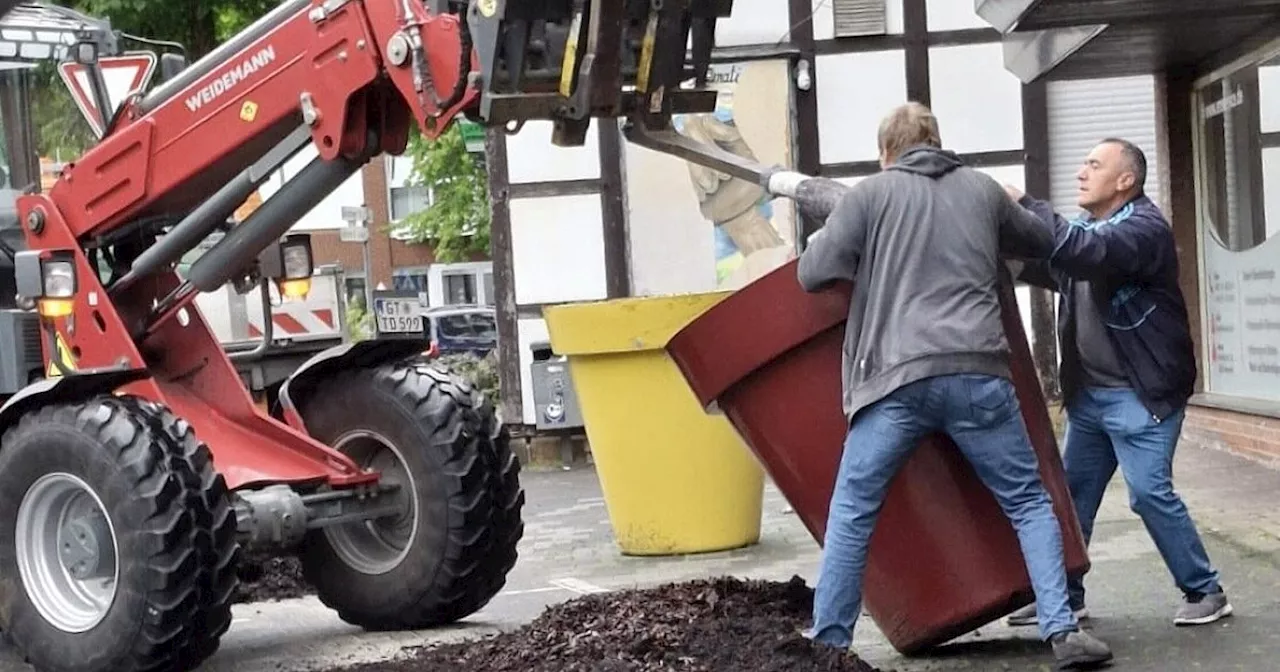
[[122, 75]]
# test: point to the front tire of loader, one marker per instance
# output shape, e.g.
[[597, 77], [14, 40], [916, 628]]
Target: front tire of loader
[[449, 551], [112, 523]]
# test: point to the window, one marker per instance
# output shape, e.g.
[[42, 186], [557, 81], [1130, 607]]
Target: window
[[355, 291], [459, 288], [409, 279], [1235, 155], [1238, 189], [484, 325], [408, 200], [489, 297], [454, 326]]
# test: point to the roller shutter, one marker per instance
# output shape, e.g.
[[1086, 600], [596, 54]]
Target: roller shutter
[[1082, 112]]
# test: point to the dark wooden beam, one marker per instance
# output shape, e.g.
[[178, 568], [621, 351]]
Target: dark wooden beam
[[617, 266], [1035, 146], [561, 188], [1174, 106], [504, 286], [1035, 138], [915, 29], [1002, 157], [808, 159], [941, 38]]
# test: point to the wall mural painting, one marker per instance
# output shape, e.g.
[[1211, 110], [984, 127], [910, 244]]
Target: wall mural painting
[[753, 233]]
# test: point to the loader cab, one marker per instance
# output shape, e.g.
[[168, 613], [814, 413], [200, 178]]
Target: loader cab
[[19, 168]]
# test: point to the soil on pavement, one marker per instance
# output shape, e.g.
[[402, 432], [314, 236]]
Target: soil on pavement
[[723, 624], [267, 577]]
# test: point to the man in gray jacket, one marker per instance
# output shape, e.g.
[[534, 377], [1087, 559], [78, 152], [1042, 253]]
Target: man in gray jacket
[[925, 351]]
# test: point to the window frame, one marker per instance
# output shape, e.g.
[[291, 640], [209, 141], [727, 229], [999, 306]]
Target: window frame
[[1208, 396]]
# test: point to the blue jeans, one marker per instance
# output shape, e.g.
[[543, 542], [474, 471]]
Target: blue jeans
[[982, 415], [1107, 427]]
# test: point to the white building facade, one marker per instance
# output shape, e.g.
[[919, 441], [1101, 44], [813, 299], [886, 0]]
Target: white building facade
[[804, 85]]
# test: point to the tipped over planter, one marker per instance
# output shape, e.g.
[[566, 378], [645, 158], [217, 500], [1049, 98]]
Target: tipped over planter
[[943, 560]]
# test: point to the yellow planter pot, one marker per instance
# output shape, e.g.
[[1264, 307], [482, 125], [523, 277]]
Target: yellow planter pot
[[675, 479]]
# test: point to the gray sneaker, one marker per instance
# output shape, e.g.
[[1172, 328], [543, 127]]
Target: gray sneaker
[[1201, 609], [1026, 616], [1079, 650]]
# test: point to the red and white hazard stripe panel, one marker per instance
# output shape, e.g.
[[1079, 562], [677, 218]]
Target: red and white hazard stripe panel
[[293, 318]]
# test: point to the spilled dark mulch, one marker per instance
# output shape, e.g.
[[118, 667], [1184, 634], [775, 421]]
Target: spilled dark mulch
[[268, 576], [715, 625]]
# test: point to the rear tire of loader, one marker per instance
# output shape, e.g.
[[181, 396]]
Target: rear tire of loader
[[449, 554], [149, 563]]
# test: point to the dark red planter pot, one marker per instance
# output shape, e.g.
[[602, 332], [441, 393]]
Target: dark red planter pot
[[944, 560]]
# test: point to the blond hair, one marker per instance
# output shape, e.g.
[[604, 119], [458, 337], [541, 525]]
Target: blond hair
[[906, 126]]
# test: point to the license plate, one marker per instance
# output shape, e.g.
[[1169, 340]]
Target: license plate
[[398, 316]]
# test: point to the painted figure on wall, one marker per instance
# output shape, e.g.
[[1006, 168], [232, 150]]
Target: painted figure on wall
[[748, 228]]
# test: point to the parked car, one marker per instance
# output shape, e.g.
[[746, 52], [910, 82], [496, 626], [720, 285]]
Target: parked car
[[461, 329]]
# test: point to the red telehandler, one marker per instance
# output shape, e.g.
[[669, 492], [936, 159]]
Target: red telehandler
[[133, 476]]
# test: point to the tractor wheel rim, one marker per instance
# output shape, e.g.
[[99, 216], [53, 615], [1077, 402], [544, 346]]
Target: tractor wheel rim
[[67, 552], [380, 545]]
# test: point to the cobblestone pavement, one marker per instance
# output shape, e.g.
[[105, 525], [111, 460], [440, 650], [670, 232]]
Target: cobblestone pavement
[[568, 550]]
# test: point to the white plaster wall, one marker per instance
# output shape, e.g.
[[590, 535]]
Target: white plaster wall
[[672, 249], [953, 15], [754, 22], [854, 92], [978, 102], [532, 158], [558, 249]]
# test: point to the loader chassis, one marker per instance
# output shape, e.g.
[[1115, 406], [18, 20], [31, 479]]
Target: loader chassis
[[131, 478]]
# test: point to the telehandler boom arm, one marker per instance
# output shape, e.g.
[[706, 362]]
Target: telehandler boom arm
[[347, 77], [393, 478]]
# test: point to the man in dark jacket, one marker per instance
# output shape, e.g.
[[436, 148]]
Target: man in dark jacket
[[925, 351], [1128, 364]]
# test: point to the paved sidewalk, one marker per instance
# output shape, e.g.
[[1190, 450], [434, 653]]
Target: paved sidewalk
[[568, 551], [1131, 594], [1132, 597]]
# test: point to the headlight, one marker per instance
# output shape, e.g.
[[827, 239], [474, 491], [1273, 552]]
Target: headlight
[[48, 279], [59, 279], [297, 261], [296, 264], [288, 262]]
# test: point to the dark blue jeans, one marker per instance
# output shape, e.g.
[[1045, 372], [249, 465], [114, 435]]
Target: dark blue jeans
[[982, 416], [1109, 427]]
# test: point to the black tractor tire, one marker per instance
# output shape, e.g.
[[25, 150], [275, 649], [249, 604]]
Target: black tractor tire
[[465, 481], [167, 514], [209, 500]]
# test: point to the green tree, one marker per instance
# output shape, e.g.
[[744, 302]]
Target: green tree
[[456, 224]]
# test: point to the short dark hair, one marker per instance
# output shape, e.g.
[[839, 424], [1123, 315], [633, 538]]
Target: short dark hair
[[1136, 159]]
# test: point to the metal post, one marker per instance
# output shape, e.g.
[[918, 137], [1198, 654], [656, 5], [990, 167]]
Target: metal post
[[368, 272]]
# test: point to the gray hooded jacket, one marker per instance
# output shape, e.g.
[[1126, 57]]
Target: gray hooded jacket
[[922, 244]]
